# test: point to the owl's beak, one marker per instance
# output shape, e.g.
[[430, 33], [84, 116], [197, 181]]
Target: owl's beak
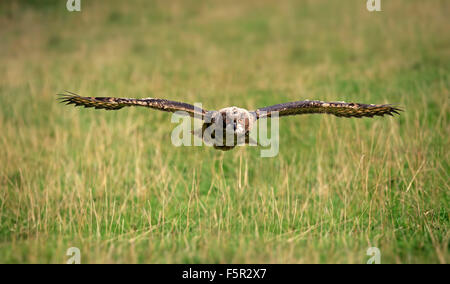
[[239, 129]]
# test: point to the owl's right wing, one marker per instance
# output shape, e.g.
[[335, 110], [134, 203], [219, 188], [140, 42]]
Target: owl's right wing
[[111, 103]]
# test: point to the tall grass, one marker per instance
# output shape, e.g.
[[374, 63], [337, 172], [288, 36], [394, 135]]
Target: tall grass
[[112, 184]]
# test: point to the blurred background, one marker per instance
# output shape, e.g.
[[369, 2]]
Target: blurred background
[[112, 184]]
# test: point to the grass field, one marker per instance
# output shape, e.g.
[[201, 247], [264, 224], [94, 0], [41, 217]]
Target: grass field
[[112, 184]]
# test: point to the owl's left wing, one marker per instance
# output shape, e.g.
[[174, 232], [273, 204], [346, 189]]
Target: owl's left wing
[[340, 109]]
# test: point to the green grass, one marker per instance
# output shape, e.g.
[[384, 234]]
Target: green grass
[[112, 184]]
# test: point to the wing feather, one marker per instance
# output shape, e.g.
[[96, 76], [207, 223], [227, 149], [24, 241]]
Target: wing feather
[[340, 109], [111, 103]]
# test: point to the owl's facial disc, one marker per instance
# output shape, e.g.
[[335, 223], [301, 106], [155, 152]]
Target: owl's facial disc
[[236, 120]]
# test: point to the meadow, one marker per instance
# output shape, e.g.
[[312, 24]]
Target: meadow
[[112, 184]]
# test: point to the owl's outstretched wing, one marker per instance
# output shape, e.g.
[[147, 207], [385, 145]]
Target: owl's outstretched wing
[[111, 103], [340, 109]]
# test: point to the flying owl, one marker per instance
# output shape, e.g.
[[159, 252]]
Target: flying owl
[[233, 121]]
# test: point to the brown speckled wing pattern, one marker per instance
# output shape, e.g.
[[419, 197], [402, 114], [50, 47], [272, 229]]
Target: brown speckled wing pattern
[[340, 109], [110, 103]]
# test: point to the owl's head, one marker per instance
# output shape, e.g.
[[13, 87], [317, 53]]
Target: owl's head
[[235, 119]]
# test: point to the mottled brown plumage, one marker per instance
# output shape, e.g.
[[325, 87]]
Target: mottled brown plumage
[[111, 103], [341, 109], [233, 120]]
